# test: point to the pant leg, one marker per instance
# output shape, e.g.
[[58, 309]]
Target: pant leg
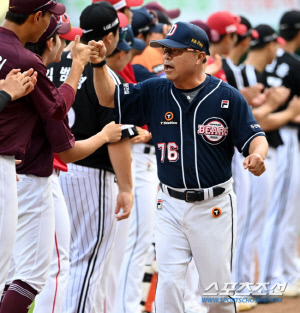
[[140, 233], [8, 214], [212, 242], [35, 232], [173, 254], [52, 296], [91, 198]]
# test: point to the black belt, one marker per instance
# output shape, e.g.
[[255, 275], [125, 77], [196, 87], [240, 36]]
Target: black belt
[[193, 195], [147, 150]]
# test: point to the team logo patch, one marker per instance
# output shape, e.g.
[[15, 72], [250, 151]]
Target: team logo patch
[[159, 204], [225, 104], [172, 30], [126, 89], [169, 119], [214, 130], [216, 212]]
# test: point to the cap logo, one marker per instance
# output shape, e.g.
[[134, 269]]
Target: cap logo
[[197, 42], [231, 29], [111, 25], [172, 30]]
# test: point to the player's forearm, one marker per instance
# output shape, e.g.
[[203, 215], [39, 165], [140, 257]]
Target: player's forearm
[[120, 157], [104, 86], [276, 120], [261, 112], [75, 74], [259, 145], [83, 148]]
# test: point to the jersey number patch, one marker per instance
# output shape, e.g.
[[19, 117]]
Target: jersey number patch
[[170, 149]]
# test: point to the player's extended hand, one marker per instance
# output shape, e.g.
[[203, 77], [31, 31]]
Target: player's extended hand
[[124, 205], [255, 164], [98, 51], [80, 52], [277, 96], [19, 84], [112, 131], [143, 136]]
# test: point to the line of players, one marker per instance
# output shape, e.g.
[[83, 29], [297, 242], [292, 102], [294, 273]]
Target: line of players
[[266, 205]]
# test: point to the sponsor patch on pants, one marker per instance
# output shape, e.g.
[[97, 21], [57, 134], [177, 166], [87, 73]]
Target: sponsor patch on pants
[[216, 212], [159, 204]]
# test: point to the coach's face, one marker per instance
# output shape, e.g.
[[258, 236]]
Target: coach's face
[[182, 66]]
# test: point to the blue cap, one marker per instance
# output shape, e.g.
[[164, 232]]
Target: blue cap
[[122, 44], [135, 43], [144, 21], [184, 35]]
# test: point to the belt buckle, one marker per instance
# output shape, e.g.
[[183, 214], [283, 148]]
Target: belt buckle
[[190, 192]]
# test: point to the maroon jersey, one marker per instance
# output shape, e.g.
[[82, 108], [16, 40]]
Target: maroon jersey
[[48, 136], [18, 118]]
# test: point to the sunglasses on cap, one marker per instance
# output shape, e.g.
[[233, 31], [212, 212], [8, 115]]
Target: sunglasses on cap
[[45, 5], [173, 52], [122, 33]]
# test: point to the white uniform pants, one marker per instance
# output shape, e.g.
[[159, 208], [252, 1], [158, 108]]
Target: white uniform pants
[[8, 214], [51, 299], [35, 232], [185, 230], [253, 223], [278, 242], [129, 292], [91, 200]]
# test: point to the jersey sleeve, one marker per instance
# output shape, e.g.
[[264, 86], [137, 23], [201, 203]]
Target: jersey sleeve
[[131, 105], [5, 98], [243, 125]]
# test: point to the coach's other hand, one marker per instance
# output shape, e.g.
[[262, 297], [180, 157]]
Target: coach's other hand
[[112, 131], [80, 52], [98, 51], [255, 164], [124, 205]]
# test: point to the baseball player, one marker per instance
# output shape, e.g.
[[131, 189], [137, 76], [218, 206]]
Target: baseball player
[[278, 246], [195, 120], [14, 33], [90, 186]]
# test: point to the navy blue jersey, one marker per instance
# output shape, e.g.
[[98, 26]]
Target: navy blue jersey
[[194, 141]]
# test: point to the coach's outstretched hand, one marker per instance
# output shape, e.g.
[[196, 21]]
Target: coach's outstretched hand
[[124, 205], [112, 131], [18, 84], [98, 51], [80, 52]]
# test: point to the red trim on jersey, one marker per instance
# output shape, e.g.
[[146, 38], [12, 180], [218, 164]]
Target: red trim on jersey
[[59, 164], [58, 262]]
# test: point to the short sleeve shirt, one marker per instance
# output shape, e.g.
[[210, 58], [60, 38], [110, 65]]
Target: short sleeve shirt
[[194, 141]]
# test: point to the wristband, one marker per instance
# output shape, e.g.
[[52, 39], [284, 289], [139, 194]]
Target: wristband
[[101, 64]]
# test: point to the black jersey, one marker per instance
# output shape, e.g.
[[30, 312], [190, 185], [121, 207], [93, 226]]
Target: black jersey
[[251, 77], [86, 117], [233, 74]]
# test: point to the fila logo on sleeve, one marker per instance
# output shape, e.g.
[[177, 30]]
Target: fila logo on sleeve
[[225, 104]]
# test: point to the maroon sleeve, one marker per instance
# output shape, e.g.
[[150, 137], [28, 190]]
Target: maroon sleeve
[[46, 98], [59, 134], [68, 94]]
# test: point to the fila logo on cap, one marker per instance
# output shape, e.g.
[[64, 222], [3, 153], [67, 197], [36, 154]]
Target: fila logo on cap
[[172, 30], [225, 104]]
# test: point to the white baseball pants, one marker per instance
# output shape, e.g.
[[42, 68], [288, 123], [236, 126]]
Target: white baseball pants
[[185, 230], [51, 299], [129, 292], [8, 214], [91, 200], [278, 242]]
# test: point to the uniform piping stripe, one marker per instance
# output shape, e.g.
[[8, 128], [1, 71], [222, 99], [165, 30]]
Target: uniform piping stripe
[[119, 104], [132, 252], [195, 131], [181, 139], [117, 82], [282, 208], [251, 139], [236, 73], [92, 261], [58, 272], [251, 76]]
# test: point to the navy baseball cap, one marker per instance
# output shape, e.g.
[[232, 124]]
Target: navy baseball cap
[[122, 43], [135, 43], [32, 6], [184, 35], [144, 21]]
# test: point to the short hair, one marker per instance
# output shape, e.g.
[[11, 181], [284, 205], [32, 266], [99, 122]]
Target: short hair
[[16, 18], [39, 47]]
